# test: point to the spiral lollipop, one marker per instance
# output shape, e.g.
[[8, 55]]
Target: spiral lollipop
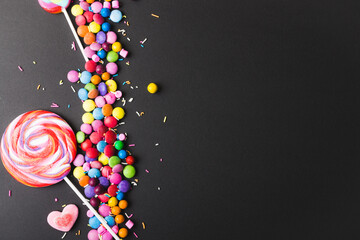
[[58, 6], [37, 149]]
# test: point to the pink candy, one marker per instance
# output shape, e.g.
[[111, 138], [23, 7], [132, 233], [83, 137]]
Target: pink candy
[[111, 68], [110, 98], [115, 4], [88, 52], [89, 213], [86, 128], [118, 168], [115, 178], [79, 160], [122, 137], [100, 101], [107, 5], [129, 224], [95, 46], [111, 37], [96, 7], [96, 124], [95, 58], [93, 235], [86, 166], [73, 76], [118, 94], [104, 210]]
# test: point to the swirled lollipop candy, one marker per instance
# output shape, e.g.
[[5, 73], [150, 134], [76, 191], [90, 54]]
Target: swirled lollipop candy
[[37, 148], [58, 6]]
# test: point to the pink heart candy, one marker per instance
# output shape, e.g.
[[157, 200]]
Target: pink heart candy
[[63, 221]]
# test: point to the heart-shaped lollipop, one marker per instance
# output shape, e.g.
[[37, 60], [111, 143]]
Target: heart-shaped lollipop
[[63, 221]]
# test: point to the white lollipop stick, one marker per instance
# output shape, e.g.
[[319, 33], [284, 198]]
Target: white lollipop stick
[[101, 219], [74, 33]]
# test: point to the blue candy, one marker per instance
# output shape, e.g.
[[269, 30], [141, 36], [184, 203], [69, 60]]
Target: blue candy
[[97, 113], [85, 77], [83, 94], [101, 146], [94, 173], [102, 53], [110, 220], [94, 222], [105, 12], [105, 26], [122, 154], [115, 16], [120, 196]]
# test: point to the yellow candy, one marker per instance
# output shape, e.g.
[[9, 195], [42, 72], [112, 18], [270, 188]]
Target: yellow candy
[[94, 27], [79, 172], [76, 10], [87, 118], [152, 88], [116, 47], [112, 202], [103, 159], [118, 113], [112, 86], [89, 105]]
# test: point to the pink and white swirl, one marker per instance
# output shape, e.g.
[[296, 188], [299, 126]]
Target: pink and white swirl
[[37, 148]]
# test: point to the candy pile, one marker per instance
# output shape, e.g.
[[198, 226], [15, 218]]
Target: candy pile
[[106, 166]]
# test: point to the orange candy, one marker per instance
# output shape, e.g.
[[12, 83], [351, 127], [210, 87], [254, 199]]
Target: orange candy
[[84, 180], [89, 38], [119, 219], [95, 79], [107, 110], [123, 232], [105, 76], [123, 204], [82, 30], [116, 210], [90, 1]]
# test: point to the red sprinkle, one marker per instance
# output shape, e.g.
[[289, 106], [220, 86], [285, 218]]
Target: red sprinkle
[[136, 235]]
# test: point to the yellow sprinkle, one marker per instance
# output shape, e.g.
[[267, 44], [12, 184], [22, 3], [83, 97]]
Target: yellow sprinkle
[[127, 23], [101, 61], [154, 15], [128, 82], [63, 205], [34, 62], [136, 180], [38, 87], [142, 113], [61, 82], [143, 225], [128, 63], [124, 16], [79, 232], [165, 119]]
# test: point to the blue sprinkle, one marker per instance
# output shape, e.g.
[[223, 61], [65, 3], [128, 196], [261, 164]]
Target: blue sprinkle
[[115, 75], [79, 70], [90, 9], [124, 83], [120, 59], [69, 106], [142, 45]]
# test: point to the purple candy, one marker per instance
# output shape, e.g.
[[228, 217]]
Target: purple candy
[[118, 168], [124, 186], [89, 191], [106, 47], [104, 181], [101, 37], [94, 202], [102, 89], [89, 159], [99, 190]]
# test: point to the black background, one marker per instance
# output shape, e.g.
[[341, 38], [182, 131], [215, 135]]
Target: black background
[[262, 103]]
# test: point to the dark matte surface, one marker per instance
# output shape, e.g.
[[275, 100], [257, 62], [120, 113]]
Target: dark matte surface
[[262, 100]]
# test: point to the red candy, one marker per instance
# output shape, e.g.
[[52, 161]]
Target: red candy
[[90, 66], [130, 160], [110, 137], [98, 19], [80, 20], [95, 137], [102, 130], [86, 144], [89, 16], [109, 150], [96, 164], [112, 190], [110, 122], [103, 198], [92, 152]]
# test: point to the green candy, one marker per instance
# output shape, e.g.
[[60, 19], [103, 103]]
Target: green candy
[[112, 56], [80, 136], [114, 160], [129, 171], [119, 145], [89, 87]]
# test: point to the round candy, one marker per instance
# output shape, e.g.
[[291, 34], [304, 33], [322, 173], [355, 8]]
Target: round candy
[[104, 210], [51, 7], [111, 37], [124, 186], [115, 210], [123, 232], [110, 122], [78, 172], [118, 168], [76, 10], [84, 6], [106, 171], [95, 46], [86, 128], [122, 154], [95, 138], [103, 198], [130, 160], [104, 181], [110, 220], [102, 89], [118, 113], [86, 166], [101, 146], [85, 77], [82, 30], [152, 88], [110, 97], [103, 159], [96, 125], [89, 192], [122, 137], [95, 79], [116, 47], [83, 94], [112, 56], [99, 190], [123, 204], [105, 76], [120, 196], [94, 222], [90, 66], [94, 27], [94, 172], [115, 16], [86, 144], [93, 182], [129, 171], [100, 69], [89, 16], [89, 87], [98, 19], [93, 235], [80, 137], [105, 26], [115, 178], [84, 180], [105, 12], [101, 53], [93, 93], [96, 7], [37, 148], [119, 145], [89, 105], [107, 110], [109, 150], [88, 52], [112, 190], [89, 38], [106, 46], [95, 202], [97, 113], [101, 37], [110, 137], [73, 76], [92, 152], [79, 160], [87, 118], [80, 20], [89, 213], [119, 219]]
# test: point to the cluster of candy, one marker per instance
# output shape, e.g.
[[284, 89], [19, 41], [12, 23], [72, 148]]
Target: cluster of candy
[[105, 167]]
